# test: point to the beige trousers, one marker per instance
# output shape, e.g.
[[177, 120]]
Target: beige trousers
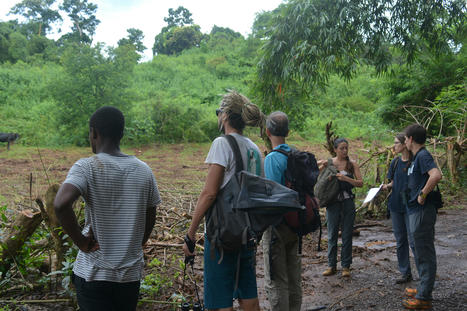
[[283, 269]]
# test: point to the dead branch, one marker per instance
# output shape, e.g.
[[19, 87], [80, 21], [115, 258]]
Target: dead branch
[[375, 154], [330, 138]]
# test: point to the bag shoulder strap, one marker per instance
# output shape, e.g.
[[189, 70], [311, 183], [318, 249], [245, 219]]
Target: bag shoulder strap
[[236, 151], [395, 166], [281, 151], [330, 162]]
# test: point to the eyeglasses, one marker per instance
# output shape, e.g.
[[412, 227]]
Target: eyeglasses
[[218, 111]]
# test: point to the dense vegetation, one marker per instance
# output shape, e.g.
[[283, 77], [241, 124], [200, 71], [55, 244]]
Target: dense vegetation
[[49, 88]]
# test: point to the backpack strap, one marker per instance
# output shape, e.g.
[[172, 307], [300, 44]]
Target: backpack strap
[[395, 166], [236, 151], [281, 151], [330, 161]]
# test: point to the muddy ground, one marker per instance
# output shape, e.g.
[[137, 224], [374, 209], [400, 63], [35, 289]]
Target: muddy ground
[[374, 270], [374, 267]]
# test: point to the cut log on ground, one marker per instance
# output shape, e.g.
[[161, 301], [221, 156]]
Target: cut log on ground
[[23, 227]]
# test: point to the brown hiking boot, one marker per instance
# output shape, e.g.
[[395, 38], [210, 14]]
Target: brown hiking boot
[[411, 292], [346, 272], [417, 304], [330, 271]]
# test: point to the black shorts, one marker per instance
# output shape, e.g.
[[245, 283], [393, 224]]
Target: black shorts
[[106, 296]]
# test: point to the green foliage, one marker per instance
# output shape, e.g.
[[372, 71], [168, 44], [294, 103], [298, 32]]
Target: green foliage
[[177, 39], [163, 276], [65, 272], [433, 90], [17, 43], [48, 90], [225, 32], [310, 40], [451, 103], [18, 47], [27, 261], [179, 17], [26, 105], [135, 38], [179, 34], [88, 82]]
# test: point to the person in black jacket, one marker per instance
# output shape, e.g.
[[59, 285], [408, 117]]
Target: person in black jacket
[[397, 205], [423, 176]]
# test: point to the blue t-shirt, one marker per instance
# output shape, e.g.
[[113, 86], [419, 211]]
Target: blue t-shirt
[[418, 176], [275, 164], [398, 175]]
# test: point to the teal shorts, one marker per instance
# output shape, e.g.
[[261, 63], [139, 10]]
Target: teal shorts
[[219, 279]]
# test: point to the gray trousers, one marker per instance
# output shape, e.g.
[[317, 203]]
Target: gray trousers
[[282, 271], [340, 213], [422, 227]]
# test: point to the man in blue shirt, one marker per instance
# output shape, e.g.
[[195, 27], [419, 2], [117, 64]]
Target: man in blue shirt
[[423, 175], [280, 244]]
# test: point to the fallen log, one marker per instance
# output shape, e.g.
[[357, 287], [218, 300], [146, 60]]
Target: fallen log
[[22, 228]]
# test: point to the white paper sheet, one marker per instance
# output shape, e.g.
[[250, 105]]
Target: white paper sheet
[[371, 194]]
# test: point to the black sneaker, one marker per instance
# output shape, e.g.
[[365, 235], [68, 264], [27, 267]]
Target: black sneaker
[[404, 279]]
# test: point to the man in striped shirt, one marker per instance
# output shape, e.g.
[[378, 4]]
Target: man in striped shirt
[[121, 196]]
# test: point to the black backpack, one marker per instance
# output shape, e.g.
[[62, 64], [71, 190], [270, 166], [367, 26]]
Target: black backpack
[[436, 198], [301, 175], [246, 207]]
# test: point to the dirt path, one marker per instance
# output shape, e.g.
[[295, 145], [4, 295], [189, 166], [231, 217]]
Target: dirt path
[[374, 270], [374, 267]]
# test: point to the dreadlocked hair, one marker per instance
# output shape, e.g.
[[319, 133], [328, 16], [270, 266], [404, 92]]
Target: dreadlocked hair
[[241, 111]]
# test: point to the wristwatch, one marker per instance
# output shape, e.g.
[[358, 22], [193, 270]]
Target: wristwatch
[[423, 195]]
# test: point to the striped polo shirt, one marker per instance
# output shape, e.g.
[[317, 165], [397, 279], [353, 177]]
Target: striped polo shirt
[[117, 191]]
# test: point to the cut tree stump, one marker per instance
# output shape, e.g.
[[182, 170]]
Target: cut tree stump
[[53, 225]]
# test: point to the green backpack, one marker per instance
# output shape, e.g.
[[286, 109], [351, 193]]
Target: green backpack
[[327, 186]]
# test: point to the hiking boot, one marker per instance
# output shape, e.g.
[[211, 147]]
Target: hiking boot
[[404, 279], [411, 292], [330, 271], [346, 272], [417, 304]]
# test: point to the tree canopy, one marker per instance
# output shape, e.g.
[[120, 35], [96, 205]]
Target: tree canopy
[[39, 14], [308, 40], [179, 17], [82, 14], [179, 34], [135, 38]]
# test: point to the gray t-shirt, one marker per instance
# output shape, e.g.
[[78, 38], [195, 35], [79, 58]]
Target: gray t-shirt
[[221, 153], [117, 191]]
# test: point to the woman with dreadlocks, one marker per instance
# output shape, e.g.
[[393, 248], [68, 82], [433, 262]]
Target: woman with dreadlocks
[[220, 288]]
